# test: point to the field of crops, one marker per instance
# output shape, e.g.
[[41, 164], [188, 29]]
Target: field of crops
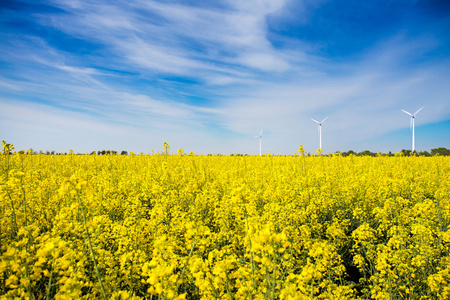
[[224, 227]]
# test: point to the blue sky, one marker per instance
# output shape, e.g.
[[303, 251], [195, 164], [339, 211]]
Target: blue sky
[[206, 76]]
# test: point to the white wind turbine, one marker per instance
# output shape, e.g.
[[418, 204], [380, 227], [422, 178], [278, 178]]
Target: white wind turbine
[[260, 138], [411, 124], [320, 130]]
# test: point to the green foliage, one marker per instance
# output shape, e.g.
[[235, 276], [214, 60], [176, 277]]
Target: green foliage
[[441, 151]]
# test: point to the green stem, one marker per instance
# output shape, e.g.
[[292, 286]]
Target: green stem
[[15, 228], [49, 286], [251, 257], [186, 264], [90, 247]]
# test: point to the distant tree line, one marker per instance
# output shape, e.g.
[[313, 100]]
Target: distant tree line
[[53, 152], [109, 152], [436, 151]]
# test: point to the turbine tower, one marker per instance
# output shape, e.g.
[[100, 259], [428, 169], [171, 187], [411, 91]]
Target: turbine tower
[[411, 124], [320, 130], [260, 137]]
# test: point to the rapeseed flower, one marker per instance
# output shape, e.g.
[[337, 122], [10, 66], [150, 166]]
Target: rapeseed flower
[[233, 227]]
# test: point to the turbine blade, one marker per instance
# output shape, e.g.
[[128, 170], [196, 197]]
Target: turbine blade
[[406, 112], [324, 120], [418, 111], [261, 132], [316, 121]]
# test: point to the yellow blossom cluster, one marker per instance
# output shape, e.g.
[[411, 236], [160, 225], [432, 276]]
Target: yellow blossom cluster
[[176, 226]]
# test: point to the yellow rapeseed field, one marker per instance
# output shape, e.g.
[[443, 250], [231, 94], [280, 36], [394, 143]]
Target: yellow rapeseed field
[[180, 226]]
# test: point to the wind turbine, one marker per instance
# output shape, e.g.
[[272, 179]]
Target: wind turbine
[[260, 137], [411, 124], [320, 131]]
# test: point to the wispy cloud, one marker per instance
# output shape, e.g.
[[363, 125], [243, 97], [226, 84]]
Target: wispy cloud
[[178, 38]]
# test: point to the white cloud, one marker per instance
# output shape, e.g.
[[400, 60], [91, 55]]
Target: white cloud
[[238, 81], [162, 40], [9, 85], [265, 62]]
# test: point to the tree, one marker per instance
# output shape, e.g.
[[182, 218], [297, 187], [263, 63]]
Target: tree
[[366, 153], [406, 152], [441, 151], [349, 152], [424, 153]]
